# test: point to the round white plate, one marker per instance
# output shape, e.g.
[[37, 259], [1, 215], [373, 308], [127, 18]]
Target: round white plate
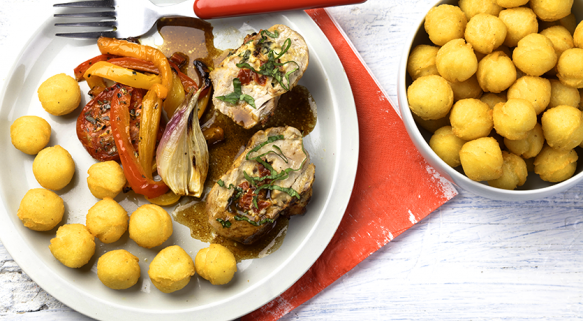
[[333, 146]]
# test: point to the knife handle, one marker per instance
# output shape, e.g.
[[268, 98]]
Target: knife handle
[[209, 9]]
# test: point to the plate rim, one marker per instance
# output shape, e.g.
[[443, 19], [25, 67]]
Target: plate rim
[[343, 184]]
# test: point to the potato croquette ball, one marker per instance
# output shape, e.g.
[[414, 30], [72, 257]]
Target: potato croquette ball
[[150, 225], [430, 97], [560, 37], [492, 99], [444, 23], [41, 209], [30, 134], [554, 165], [53, 167], [73, 246], [496, 72], [446, 145], [422, 61], [536, 90], [59, 95], [520, 22], [471, 119], [514, 118], [171, 269], [118, 269], [570, 67], [514, 172], [216, 264], [563, 95], [456, 61], [551, 10], [107, 220], [534, 55], [528, 147], [578, 36], [563, 127], [485, 33], [474, 7], [466, 89], [432, 125], [511, 3], [106, 179], [569, 22], [482, 159]]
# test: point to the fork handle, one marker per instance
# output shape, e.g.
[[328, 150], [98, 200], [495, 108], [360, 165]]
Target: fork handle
[[209, 9]]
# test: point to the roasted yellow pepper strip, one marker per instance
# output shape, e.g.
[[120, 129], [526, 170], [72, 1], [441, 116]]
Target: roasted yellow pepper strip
[[149, 122], [128, 49], [119, 74], [176, 96]]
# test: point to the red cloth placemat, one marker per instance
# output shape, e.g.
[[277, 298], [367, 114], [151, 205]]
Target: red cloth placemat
[[394, 188]]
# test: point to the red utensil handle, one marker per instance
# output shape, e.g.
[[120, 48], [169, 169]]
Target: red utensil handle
[[208, 9]]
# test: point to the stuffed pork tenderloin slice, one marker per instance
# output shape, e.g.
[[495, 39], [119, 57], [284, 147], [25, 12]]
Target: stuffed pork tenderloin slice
[[273, 177], [249, 82]]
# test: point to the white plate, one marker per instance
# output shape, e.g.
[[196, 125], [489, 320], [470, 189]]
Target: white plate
[[333, 146]]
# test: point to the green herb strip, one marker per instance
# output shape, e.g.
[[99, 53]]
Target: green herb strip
[[271, 67], [225, 224], [244, 218], [237, 95]]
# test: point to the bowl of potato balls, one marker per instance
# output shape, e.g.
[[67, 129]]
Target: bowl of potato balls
[[490, 92]]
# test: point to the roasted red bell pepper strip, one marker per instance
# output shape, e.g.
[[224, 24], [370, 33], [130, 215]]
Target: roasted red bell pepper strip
[[136, 64], [133, 171], [82, 68], [186, 81]]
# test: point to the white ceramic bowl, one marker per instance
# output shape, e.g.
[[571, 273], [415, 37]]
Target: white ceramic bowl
[[534, 188]]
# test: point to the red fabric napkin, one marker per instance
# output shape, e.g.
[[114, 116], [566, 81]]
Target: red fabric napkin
[[394, 188]]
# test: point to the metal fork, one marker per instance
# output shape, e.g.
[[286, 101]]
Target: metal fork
[[133, 18]]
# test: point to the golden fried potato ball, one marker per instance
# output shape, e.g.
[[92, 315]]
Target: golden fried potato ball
[[569, 22], [216, 264], [107, 220], [59, 95], [492, 99], [118, 269], [30, 134], [550, 10], [474, 7], [171, 269], [456, 61], [554, 165], [73, 246], [485, 33], [578, 36], [53, 167], [536, 90], [446, 145], [466, 89], [432, 125], [511, 3], [520, 22], [514, 118], [41, 209], [528, 147], [444, 23], [471, 119], [150, 225], [560, 37], [430, 97], [563, 127], [106, 179], [534, 55], [570, 67], [496, 72], [563, 95], [514, 172], [482, 159], [422, 61]]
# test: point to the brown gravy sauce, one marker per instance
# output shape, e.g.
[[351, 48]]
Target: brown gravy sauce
[[296, 108]]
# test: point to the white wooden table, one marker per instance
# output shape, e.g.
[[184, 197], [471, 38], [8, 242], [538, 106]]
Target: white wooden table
[[472, 259]]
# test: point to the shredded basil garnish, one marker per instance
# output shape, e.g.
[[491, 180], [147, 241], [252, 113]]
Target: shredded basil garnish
[[271, 69], [237, 95], [225, 224], [245, 56], [275, 34], [244, 218]]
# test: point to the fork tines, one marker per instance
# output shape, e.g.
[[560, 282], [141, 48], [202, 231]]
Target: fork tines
[[111, 24]]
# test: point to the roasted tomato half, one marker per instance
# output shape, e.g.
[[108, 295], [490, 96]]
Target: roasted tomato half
[[94, 129]]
